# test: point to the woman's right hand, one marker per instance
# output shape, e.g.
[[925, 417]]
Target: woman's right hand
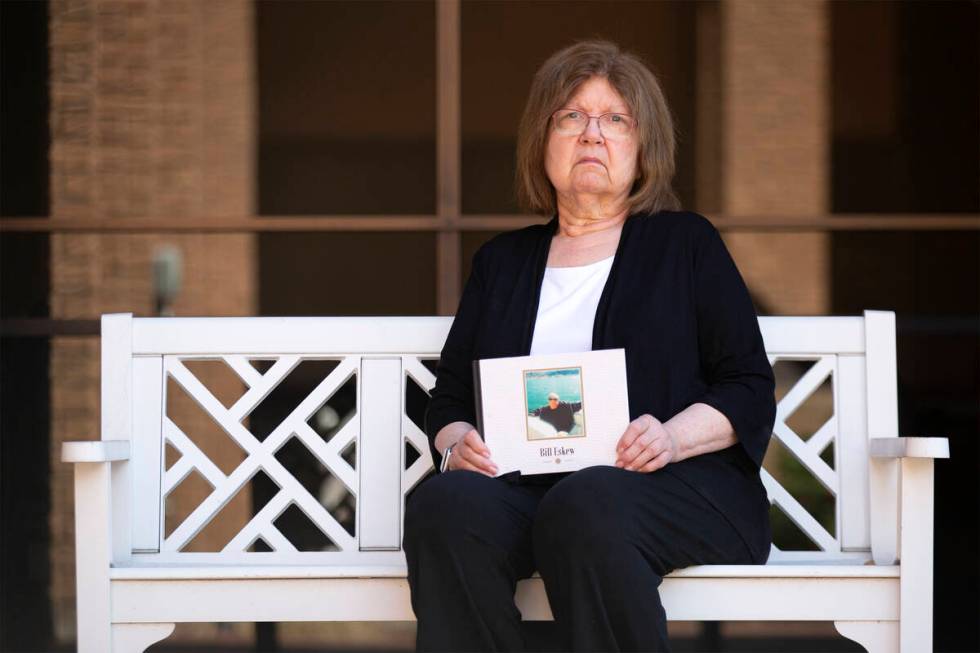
[[470, 452]]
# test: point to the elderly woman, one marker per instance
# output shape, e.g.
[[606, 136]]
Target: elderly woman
[[618, 265]]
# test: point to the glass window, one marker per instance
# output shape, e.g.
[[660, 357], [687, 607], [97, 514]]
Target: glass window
[[345, 273], [346, 107]]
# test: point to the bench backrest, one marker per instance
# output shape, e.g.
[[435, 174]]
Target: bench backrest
[[142, 357]]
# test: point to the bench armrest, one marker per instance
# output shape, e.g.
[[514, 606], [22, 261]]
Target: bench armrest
[[909, 448], [95, 451]]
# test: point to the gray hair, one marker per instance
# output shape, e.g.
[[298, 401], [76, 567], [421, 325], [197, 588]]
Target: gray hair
[[555, 82]]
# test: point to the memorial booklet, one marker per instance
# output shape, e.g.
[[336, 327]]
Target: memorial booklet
[[552, 412]]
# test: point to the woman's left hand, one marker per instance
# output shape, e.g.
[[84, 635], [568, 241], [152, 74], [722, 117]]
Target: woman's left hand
[[646, 445]]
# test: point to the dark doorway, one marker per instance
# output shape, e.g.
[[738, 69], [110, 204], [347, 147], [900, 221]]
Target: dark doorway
[[906, 138], [25, 608]]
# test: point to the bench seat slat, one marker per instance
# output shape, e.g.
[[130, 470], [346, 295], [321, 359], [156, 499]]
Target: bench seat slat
[[387, 599], [398, 571]]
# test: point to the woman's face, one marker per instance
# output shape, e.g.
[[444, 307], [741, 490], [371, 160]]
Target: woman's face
[[592, 163]]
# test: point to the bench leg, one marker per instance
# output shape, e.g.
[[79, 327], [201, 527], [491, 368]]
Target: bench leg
[[93, 555], [874, 636], [136, 638]]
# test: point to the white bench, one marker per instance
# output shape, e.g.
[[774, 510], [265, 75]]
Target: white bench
[[872, 576]]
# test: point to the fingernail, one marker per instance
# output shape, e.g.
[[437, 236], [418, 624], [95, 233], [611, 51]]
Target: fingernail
[[619, 463]]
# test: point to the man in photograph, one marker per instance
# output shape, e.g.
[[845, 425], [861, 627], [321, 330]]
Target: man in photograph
[[560, 414]]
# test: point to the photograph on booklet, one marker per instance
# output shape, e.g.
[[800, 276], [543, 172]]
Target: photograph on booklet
[[553, 399]]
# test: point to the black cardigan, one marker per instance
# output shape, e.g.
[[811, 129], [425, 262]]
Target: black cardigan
[[676, 303]]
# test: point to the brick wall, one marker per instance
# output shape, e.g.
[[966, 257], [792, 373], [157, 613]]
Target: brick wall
[[152, 114], [763, 140]]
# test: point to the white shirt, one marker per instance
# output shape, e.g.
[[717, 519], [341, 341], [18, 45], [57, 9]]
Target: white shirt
[[566, 310]]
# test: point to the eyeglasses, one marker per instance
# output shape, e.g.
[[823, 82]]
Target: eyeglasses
[[572, 122]]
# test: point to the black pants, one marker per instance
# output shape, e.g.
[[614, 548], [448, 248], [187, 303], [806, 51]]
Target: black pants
[[601, 538]]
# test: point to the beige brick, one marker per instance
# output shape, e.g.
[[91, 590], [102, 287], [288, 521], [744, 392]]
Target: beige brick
[[775, 144], [152, 116]]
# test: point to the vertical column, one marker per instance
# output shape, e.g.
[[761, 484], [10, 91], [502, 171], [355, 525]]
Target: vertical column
[[764, 64], [709, 108], [116, 367], [448, 155], [379, 452], [885, 479], [152, 115], [917, 549], [93, 555]]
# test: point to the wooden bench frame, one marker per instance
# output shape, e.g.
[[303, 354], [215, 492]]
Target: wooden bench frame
[[872, 577]]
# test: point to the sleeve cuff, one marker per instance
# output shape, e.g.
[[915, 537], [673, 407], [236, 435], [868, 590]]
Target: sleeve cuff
[[752, 438]]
